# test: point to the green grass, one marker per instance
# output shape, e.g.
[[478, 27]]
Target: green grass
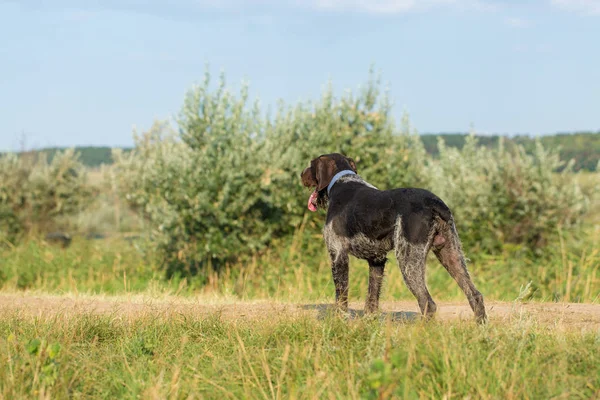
[[182, 355], [186, 356], [568, 271]]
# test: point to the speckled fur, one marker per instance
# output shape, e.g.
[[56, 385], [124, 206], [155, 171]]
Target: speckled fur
[[368, 223], [375, 252], [357, 178], [452, 258], [411, 260]]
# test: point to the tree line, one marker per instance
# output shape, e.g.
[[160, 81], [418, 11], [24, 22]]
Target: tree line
[[582, 147]]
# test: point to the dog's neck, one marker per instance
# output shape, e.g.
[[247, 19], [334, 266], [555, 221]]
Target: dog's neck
[[338, 176]]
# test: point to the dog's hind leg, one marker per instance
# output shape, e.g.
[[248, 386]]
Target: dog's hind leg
[[411, 260], [376, 270], [449, 253], [339, 270]]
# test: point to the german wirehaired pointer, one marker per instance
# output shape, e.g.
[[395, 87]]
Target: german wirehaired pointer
[[368, 223]]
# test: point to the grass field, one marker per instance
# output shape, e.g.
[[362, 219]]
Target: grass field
[[113, 327], [100, 320], [569, 271], [143, 347]]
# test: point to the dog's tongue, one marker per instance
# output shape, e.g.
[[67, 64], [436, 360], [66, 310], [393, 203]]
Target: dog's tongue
[[312, 201]]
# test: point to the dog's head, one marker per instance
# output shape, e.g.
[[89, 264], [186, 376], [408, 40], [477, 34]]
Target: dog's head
[[319, 174]]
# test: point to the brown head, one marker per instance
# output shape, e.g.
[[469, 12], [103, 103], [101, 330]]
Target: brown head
[[319, 174]]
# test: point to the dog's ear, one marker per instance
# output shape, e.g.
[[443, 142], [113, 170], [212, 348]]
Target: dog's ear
[[308, 177], [324, 170], [352, 164]]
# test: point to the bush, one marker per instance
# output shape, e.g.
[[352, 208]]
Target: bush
[[201, 197], [506, 195], [227, 184], [35, 194]]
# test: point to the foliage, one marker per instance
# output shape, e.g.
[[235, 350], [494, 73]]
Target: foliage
[[581, 147], [43, 361], [35, 193], [90, 156], [227, 184], [430, 141], [298, 268], [505, 194], [201, 191]]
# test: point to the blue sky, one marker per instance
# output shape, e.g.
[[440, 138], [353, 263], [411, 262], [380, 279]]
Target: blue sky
[[84, 72]]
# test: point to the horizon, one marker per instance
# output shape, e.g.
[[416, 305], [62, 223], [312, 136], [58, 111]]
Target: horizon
[[132, 146], [78, 76]]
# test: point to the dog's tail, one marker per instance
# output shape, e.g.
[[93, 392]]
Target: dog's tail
[[441, 210], [445, 224]]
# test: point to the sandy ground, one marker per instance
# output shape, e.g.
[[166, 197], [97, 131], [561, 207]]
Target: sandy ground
[[557, 315]]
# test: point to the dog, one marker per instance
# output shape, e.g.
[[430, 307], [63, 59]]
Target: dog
[[367, 223]]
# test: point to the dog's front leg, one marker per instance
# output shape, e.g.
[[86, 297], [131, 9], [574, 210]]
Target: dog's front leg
[[339, 270], [376, 269]]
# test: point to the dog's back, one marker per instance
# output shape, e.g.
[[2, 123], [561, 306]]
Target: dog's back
[[356, 207]]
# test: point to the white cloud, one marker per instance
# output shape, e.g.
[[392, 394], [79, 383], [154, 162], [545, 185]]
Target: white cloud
[[590, 7]]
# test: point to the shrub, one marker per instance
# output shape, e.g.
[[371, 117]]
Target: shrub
[[505, 194], [227, 183], [199, 192], [35, 194], [359, 126]]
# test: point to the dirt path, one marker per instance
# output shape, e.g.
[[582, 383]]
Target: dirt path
[[559, 315]]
